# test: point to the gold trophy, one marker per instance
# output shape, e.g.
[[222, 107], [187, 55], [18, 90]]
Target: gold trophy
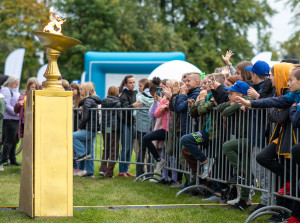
[[47, 165], [54, 42]]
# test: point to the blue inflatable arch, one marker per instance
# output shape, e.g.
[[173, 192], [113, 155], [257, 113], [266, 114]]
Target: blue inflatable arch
[[98, 64]]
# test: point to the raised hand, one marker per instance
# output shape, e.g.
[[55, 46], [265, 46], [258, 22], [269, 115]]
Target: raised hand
[[226, 59], [175, 88]]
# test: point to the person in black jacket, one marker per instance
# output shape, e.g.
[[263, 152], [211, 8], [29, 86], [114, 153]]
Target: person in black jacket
[[83, 139], [128, 100], [110, 128]]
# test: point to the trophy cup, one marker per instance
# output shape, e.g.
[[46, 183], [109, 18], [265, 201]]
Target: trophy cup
[[47, 165]]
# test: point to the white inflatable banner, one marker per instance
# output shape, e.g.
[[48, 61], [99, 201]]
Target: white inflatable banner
[[41, 72], [14, 63], [83, 77]]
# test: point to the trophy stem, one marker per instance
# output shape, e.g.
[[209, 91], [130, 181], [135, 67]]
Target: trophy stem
[[52, 72]]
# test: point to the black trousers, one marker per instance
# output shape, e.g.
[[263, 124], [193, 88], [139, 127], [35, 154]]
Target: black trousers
[[159, 134], [142, 154], [268, 158], [10, 128]]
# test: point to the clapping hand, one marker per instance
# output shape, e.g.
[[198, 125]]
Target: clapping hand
[[183, 89], [167, 91]]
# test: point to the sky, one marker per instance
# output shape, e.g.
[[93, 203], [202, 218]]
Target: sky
[[281, 28]]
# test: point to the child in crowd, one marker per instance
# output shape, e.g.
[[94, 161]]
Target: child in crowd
[[162, 115], [230, 81], [241, 74], [65, 84], [74, 87], [20, 106], [268, 157], [216, 86], [231, 147], [110, 132], [143, 121], [283, 101], [295, 119], [84, 137], [128, 100], [202, 106], [189, 90]]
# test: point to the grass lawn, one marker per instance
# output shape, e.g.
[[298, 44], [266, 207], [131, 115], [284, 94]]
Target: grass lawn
[[120, 191]]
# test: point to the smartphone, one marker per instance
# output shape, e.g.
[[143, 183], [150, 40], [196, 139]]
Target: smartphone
[[214, 77], [159, 92]]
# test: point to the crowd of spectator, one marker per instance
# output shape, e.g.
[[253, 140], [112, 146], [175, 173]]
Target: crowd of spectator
[[163, 110]]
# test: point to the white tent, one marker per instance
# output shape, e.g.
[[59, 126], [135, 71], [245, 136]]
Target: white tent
[[264, 56], [173, 70]]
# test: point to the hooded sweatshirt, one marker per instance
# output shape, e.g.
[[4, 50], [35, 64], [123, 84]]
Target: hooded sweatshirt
[[142, 119], [281, 134]]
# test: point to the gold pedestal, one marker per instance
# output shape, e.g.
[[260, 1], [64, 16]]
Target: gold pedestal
[[47, 167]]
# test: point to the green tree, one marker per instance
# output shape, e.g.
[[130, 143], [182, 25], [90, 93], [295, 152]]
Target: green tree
[[111, 26], [291, 48], [18, 19], [211, 27]]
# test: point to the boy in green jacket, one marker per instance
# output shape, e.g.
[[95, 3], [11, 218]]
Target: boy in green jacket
[[239, 140]]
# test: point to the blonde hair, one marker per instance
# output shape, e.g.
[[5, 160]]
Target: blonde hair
[[296, 71], [88, 89], [31, 81], [196, 76], [10, 81], [113, 91]]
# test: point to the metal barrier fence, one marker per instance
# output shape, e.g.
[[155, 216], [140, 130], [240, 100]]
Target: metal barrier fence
[[247, 133]]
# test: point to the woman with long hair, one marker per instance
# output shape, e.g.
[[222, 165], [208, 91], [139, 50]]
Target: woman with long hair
[[10, 120], [19, 108], [83, 139], [128, 100]]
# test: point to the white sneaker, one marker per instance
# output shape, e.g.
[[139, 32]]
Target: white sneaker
[[234, 201], [101, 173], [1, 168], [207, 168], [176, 184], [81, 173], [237, 199], [251, 194], [159, 165]]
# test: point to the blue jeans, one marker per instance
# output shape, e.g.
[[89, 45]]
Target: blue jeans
[[191, 142], [83, 143], [127, 146]]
